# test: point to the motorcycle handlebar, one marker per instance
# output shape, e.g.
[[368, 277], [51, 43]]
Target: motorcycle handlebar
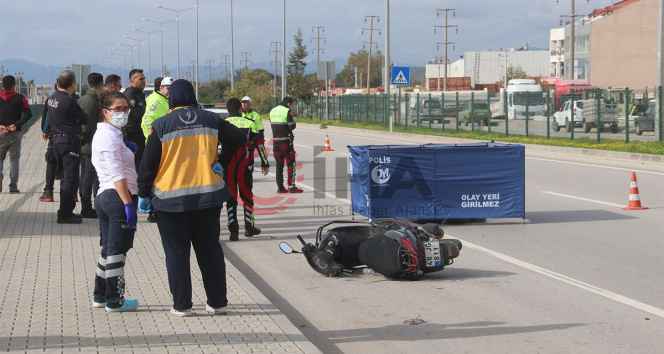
[[299, 238]]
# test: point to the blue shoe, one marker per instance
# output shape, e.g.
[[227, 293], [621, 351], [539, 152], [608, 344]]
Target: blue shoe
[[98, 305], [129, 305]]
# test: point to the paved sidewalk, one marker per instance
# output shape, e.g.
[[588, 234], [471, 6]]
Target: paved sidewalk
[[46, 283]]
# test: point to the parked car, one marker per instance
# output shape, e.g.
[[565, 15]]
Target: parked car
[[427, 109], [222, 112], [586, 117], [645, 121], [475, 112]]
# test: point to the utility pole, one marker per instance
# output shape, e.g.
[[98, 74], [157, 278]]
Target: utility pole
[[19, 73], [3, 71], [318, 49], [445, 43], [210, 62], [246, 61], [193, 70], [276, 51], [370, 43], [571, 38], [225, 57]]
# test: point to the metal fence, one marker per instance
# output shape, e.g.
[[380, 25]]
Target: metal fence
[[592, 113]]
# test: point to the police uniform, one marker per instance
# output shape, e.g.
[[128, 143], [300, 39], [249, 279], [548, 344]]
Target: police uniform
[[66, 117], [281, 121], [133, 131], [251, 126], [186, 195]]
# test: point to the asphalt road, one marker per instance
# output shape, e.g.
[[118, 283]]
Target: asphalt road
[[579, 274]]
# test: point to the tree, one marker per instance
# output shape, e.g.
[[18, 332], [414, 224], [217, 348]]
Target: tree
[[299, 85], [214, 91], [359, 60], [516, 73], [256, 84]]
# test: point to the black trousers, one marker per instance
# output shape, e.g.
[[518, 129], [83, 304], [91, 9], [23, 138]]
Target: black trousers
[[200, 228], [67, 150], [51, 166], [89, 183], [138, 138], [241, 187], [284, 153], [116, 240]]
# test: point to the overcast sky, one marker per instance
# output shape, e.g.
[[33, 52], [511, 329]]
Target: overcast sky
[[65, 31]]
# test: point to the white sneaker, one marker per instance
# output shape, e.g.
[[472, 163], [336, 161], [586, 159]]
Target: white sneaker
[[216, 310], [183, 313]]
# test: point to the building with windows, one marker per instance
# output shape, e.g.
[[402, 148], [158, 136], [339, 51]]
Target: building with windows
[[557, 50], [581, 49], [623, 46]]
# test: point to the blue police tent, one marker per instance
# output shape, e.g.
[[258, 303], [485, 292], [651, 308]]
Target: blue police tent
[[438, 181]]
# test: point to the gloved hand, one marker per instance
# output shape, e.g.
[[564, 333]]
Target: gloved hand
[[216, 168], [132, 146], [144, 205], [132, 218]]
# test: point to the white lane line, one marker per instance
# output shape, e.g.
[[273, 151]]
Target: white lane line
[[565, 279], [598, 166], [584, 199]]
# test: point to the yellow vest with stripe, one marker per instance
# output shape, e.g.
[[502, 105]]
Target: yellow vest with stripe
[[185, 180]]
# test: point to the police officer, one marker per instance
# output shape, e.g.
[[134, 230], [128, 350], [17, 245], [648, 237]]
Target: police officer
[[186, 193], [281, 120], [136, 98], [239, 175], [66, 117]]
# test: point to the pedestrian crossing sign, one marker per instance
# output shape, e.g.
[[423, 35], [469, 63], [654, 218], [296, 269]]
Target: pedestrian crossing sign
[[401, 75]]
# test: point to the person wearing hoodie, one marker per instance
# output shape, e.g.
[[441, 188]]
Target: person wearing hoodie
[[14, 112], [180, 181]]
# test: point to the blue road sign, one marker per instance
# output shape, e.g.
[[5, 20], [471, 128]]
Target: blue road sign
[[401, 75]]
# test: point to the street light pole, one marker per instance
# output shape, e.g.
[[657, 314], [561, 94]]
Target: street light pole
[[139, 49], [283, 58], [232, 52], [131, 49], [149, 34], [162, 39], [177, 14]]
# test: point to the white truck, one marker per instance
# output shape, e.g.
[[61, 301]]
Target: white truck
[[585, 115], [521, 93]]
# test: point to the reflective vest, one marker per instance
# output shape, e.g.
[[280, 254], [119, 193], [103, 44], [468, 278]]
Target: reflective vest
[[185, 180], [156, 106]]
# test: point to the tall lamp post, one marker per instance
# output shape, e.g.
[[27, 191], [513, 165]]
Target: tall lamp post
[[177, 15], [125, 53], [138, 42], [149, 34], [162, 39], [131, 49]]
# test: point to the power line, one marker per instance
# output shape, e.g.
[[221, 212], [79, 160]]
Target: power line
[[318, 49], [445, 42], [276, 52], [246, 60], [370, 43], [225, 57], [210, 62]]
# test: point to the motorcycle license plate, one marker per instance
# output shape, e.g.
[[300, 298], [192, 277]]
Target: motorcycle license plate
[[432, 254]]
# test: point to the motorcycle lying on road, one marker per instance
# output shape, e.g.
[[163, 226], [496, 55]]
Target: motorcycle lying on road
[[395, 248]]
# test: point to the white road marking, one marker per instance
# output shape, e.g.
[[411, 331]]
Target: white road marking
[[571, 281], [598, 166], [584, 199]]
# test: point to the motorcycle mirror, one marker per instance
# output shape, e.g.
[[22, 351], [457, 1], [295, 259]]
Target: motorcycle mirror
[[286, 248]]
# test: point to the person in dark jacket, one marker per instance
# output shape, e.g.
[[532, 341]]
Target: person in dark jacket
[[180, 181], [89, 183], [14, 112], [66, 117], [136, 98]]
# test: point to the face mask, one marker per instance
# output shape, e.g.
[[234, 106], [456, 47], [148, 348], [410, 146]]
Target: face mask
[[119, 119]]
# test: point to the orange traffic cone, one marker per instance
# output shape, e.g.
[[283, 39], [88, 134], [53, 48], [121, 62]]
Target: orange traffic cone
[[327, 144], [634, 198]]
